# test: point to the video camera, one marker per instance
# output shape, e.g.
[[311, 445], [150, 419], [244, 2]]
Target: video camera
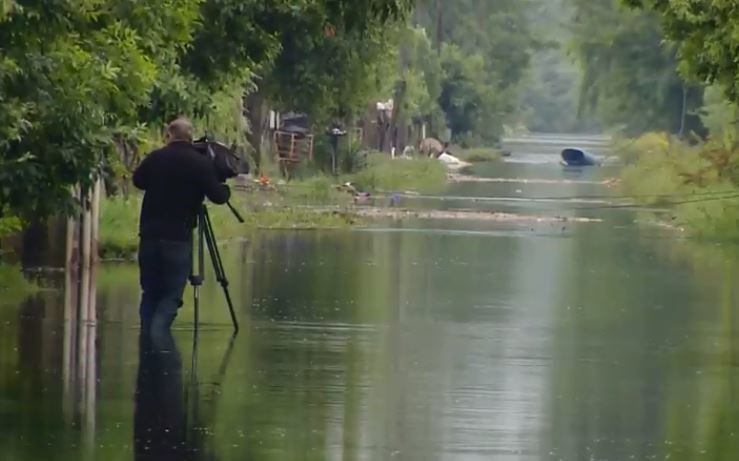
[[228, 162]]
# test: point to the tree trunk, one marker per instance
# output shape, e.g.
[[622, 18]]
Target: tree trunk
[[257, 113], [398, 123]]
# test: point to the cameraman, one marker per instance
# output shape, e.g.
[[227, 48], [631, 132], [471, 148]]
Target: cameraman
[[176, 179]]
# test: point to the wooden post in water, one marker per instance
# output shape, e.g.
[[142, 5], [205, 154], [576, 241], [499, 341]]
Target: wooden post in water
[[85, 239], [80, 313]]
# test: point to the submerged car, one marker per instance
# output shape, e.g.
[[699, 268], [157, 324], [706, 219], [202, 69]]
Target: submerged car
[[579, 157]]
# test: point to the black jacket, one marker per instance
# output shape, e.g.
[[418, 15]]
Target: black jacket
[[176, 179]]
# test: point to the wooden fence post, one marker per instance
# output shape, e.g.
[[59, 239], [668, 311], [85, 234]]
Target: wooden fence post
[[80, 310]]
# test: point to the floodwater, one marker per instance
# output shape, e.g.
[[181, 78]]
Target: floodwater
[[425, 340]]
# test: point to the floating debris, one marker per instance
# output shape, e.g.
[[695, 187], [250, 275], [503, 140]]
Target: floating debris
[[460, 178]]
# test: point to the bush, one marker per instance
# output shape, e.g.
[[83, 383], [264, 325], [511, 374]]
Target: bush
[[649, 144], [478, 155], [9, 225], [667, 172]]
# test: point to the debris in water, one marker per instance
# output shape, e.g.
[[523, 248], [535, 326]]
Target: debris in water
[[469, 215], [458, 178]]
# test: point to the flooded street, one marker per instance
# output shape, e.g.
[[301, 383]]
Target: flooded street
[[420, 340]]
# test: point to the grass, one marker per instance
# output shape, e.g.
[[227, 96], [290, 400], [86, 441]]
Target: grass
[[311, 203], [478, 155], [14, 287], [384, 174], [260, 210], [119, 220]]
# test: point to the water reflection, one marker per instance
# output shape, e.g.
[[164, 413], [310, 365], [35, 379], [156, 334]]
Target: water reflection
[[485, 342], [159, 414]]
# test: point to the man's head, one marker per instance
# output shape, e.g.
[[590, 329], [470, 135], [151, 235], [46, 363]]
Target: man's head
[[180, 129]]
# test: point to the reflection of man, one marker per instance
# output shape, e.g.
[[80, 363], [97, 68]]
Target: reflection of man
[[159, 414], [176, 179]]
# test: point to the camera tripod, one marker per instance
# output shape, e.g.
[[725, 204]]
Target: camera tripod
[[206, 237]]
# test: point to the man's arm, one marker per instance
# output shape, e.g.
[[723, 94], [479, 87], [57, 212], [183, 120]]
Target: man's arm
[[140, 176], [216, 191]]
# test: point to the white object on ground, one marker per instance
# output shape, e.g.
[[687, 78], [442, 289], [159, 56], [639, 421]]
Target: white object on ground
[[448, 159], [452, 162]]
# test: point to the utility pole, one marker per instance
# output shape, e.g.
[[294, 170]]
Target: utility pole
[[439, 25], [684, 110]]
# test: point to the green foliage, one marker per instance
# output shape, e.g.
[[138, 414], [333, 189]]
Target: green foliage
[[421, 74], [484, 50], [550, 100], [656, 164], [466, 99], [387, 175], [705, 34], [669, 172], [478, 155], [86, 87], [333, 55], [718, 115], [284, 208], [630, 78], [318, 189], [72, 73], [14, 287], [9, 225], [119, 219]]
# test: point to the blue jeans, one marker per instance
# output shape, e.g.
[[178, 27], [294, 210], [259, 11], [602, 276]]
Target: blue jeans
[[164, 269]]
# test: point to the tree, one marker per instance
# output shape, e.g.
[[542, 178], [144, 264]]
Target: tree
[[333, 56], [80, 81], [485, 49], [549, 102], [73, 72], [630, 76], [704, 32]]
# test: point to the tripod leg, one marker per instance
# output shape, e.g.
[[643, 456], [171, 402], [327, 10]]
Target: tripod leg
[[220, 272], [201, 268], [197, 276]]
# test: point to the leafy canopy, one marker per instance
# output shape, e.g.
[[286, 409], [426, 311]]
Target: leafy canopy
[[705, 33]]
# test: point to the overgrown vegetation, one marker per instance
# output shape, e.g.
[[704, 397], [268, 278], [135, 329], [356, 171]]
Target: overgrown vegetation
[[665, 170], [708, 171], [704, 33], [385, 175], [629, 76], [478, 154], [9, 225], [260, 210], [319, 202], [477, 55], [86, 87]]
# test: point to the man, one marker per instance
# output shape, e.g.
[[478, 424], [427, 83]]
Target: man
[[176, 179]]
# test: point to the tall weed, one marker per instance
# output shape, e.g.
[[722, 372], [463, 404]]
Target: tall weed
[[392, 175]]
